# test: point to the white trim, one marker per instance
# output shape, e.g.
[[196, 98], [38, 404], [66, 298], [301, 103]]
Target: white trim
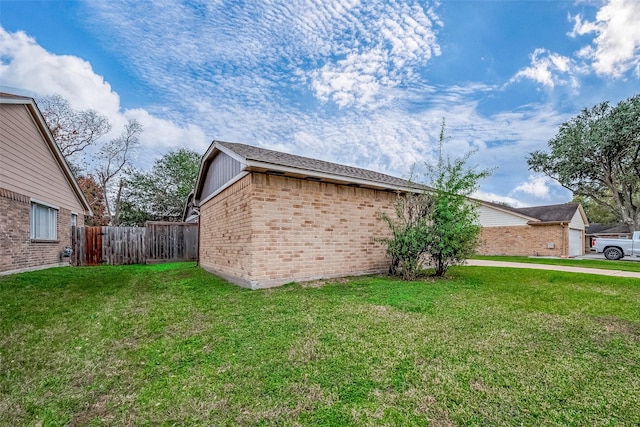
[[231, 153], [224, 187], [40, 202]]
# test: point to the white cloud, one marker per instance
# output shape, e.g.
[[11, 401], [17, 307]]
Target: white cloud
[[616, 47], [537, 186], [393, 40], [254, 74], [27, 66], [549, 69], [496, 198], [614, 51]]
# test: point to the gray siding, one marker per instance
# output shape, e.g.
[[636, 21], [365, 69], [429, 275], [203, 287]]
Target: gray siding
[[222, 169]]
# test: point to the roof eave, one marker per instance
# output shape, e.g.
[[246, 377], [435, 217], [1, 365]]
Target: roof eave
[[248, 165], [538, 222]]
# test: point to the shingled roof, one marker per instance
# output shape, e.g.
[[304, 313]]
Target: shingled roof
[[550, 213], [257, 157], [543, 214], [597, 228]]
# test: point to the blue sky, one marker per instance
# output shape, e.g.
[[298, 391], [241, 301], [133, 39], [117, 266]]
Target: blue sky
[[366, 83]]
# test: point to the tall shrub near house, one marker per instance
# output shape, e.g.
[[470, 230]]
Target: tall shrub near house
[[438, 224], [454, 228], [410, 230]]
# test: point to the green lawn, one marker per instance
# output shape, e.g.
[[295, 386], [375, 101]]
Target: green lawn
[[173, 345], [587, 263]]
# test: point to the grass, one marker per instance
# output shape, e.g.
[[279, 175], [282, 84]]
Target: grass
[[587, 263], [173, 345]]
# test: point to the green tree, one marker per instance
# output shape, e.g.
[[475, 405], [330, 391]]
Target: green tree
[[597, 213], [455, 230], [160, 194], [436, 224], [597, 155]]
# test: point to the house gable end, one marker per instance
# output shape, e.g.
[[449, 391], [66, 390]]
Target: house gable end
[[490, 216], [29, 164], [222, 171], [577, 222]]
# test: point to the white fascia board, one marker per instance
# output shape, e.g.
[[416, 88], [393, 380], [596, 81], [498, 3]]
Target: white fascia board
[[232, 154], [57, 154], [323, 175]]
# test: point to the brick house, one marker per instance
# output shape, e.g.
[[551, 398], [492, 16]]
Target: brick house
[[39, 197], [268, 218], [556, 230]]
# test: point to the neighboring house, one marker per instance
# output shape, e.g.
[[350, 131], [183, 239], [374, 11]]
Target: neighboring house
[[608, 231], [39, 197], [269, 218], [190, 213], [556, 230]]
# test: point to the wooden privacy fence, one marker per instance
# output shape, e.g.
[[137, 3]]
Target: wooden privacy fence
[[156, 242]]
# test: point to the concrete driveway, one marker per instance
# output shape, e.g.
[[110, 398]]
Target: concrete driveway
[[593, 255], [570, 269]]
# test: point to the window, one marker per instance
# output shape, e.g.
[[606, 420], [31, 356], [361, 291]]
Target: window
[[44, 222], [74, 220]]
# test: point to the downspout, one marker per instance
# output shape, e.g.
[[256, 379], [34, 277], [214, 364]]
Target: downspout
[[564, 242], [198, 245]]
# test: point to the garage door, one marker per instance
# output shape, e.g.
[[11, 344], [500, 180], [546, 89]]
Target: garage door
[[576, 244]]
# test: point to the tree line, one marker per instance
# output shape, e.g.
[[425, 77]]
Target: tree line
[[119, 193]]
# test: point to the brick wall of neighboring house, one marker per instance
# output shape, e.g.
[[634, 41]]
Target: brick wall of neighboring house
[[266, 230], [17, 251], [524, 240]]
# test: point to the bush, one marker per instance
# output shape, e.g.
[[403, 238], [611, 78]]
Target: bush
[[439, 222]]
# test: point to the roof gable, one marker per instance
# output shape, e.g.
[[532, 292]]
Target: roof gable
[[47, 137]]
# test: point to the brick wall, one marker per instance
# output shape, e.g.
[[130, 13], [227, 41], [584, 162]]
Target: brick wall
[[524, 240], [225, 232], [305, 230], [17, 251], [266, 230]]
